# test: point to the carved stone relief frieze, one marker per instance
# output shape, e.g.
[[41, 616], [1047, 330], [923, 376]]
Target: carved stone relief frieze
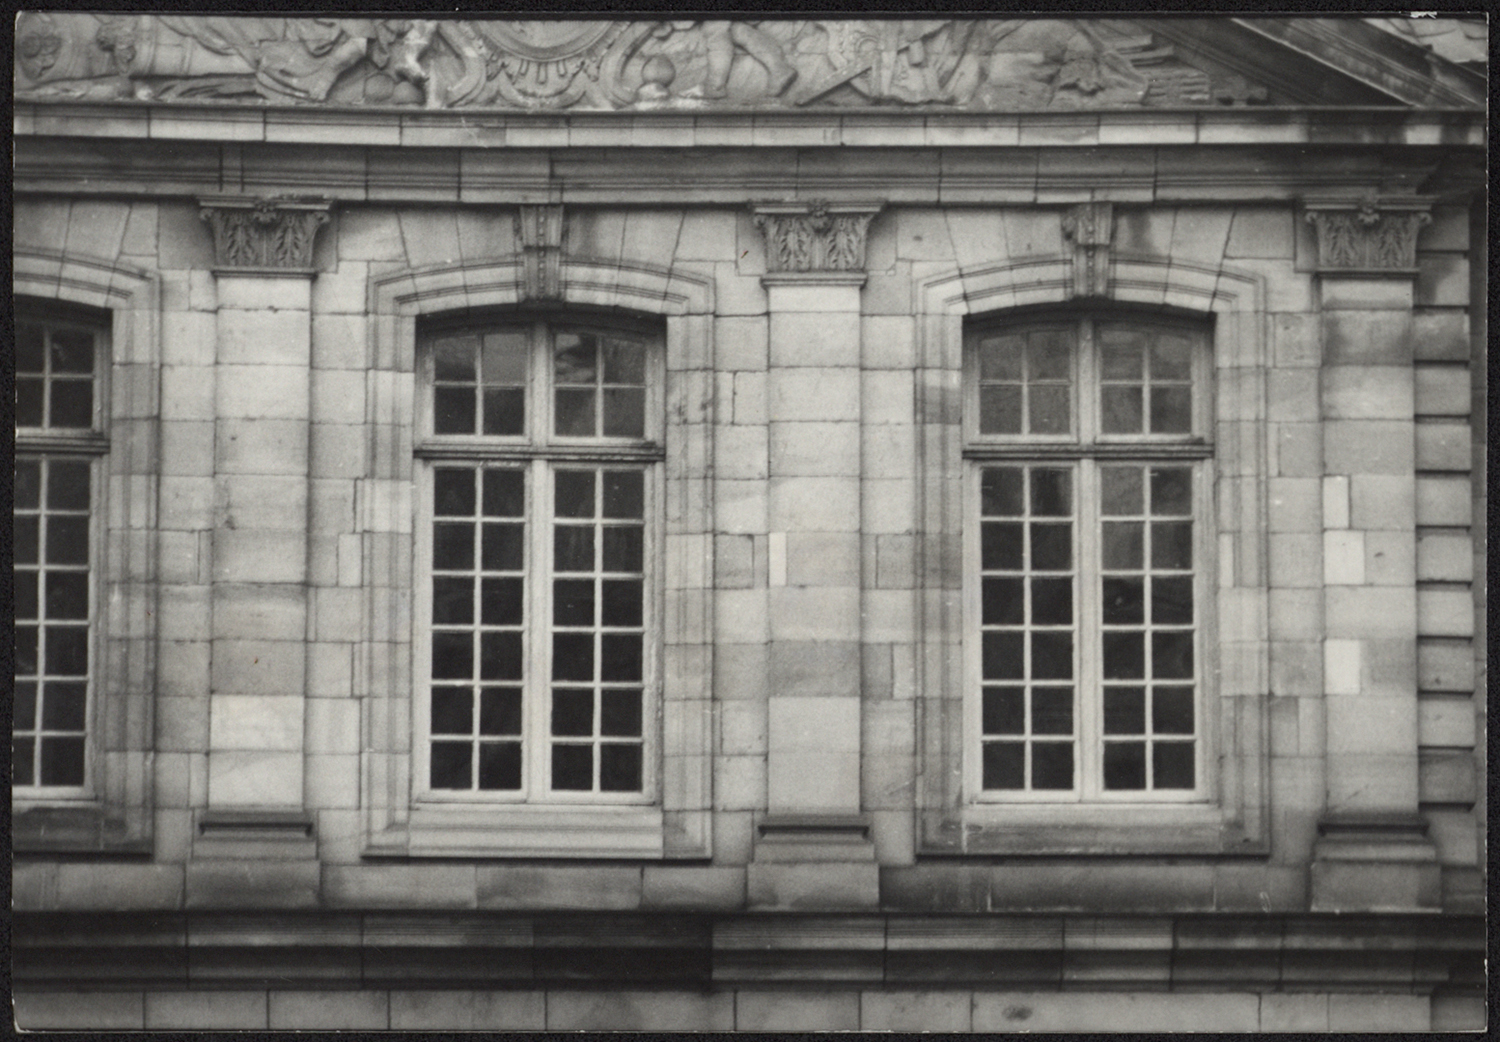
[[1370, 235], [688, 64], [263, 235]]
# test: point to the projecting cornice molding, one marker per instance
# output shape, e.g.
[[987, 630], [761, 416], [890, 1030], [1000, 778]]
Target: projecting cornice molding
[[264, 236], [1371, 235], [815, 237]]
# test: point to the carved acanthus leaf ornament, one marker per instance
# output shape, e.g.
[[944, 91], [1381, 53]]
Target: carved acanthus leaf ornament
[[266, 235], [1368, 235]]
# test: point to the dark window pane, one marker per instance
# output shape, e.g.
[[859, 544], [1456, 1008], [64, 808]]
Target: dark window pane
[[575, 358], [29, 401], [1051, 655], [500, 602], [1004, 602], [452, 600], [1122, 544], [1122, 408], [67, 651], [72, 403], [1000, 492], [620, 714], [453, 410], [452, 710], [572, 767], [1122, 601], [500, 710], [452, 546], [1000, 358], [500, 765], [453, 492], [1172, 655], [1171, 491], [575, 413], [573, 602], [21, 768], [624, 494], [1124, 655], [1052, 710], [1048, 409], [1004, 710], [67, 595], [1172, 765], [1120, 352], [451, 765], [23, 715], [504, 493], [1171, 358], [575, 493], [572, 711], [62, 761], [1172, 710], [1124, 765], [1171, 410], [1000, 409], [504, 410], [1172, 599], [500, 656], [24, 534], [29, 351], [26, 645], [67, 539], [72, 351], [1171, 544], [28, 484], [64, 707], [1120, 488], [453, 359], [573, 548], [1124, 710], [572, 656], [1051, 492], [622, 548], [1052, 765], [1002, 656], [452, 656], [1051, 547], [620, 656], [620, 768], [624, 412], [1000, 545], [67, 485], [503, 547], [624, 362], [622, 602], [1048, 354], [1052, 602], [25, 601], [504, 357], [1004, 765]]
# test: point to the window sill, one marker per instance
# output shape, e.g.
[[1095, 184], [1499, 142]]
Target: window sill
[[80, 828], [524, 832], [1096, 829]]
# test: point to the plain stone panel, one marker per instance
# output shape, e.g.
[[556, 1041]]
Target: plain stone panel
[[246, 778], [1292, 394], [1443, 390], [812, 782], [740, 783], [1445, 613], [1444, 446], [1459, 1013], [921, 1011], [811, 448], [245, 667], [1357, 783], [740, 343], [264, 611], [791, 1011], [1116, 1012], [822, 559], [1298, 449], [226, 883], [182, 669], [639, 1011], [271, 339], [183, 613], [118, 887], [468, 1010], [670, 886], [1445, 557], [206, 1011], [79, 1010], [1444, 500], [888, 342], [1390, 558], [1370, 612], [799, 668], [1379, 502], [332, 781], [1442, 280], [399, 886], [1365, 392], [814, 613], [1282, 1012], [187, 448], [1368, 338], [1442, 334], [1385, 1013], [813, 337], [260, 446], [1445, 721], [1368, 447], [329, 1011], [814, 393], [587, 887], [817, 504], [1296, 559], [255, 722], [182, 724], [1295, 504], [1296, 340], [740, 616]]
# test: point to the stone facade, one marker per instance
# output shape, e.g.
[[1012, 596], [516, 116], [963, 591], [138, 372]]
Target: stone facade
[[265, 223]]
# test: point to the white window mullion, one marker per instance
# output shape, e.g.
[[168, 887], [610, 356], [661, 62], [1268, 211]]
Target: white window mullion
[[536, 700], [1090, 673]]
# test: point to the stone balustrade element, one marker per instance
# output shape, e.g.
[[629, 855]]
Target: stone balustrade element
[[1369, 235], [264, 235]]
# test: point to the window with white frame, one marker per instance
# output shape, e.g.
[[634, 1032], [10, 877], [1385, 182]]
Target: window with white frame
[[1089, 490], [60, 443], [540, 439]]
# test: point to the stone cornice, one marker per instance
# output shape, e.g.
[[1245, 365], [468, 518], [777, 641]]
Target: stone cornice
[[1370, 235], [263, 236], [814, 236]]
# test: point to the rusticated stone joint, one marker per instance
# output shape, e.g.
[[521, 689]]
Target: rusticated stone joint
[[1368, 236], [539, 230], [815, 237], [264, 235], [1090, 227]]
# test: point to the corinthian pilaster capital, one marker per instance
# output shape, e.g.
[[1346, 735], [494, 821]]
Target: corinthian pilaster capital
[[815, 237], [264, 235], [1371, 235]]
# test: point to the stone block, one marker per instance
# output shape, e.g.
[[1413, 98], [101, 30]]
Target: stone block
[[1296, 559], [337, 395], [337, 450], [801, 669], [740, 506], [741, 670], [740, 783], [332, 781], [1077, 1011], [1292, 395], [187, 448], [262, 293], [1336, 502], [734, 562], [1443, 390], [1442, 280], [814, 337], [340, 342], [260, 446], [1444, 446], [221, 883], [749, 397], [1445, 613], [1297, 340], [270, 339], [399, 886], [1296, 668], [1444, 557], [1389, 558], [1365, 293], [206, 1011], [1344, 558], [815, 504], [822, 559], [915, 1011], [1366, 612], [639, 1011], [1459, 1013], [581, 887], [182, 669], [1381, 504], [814, 394], [1357, 783], [85, 887], [1296, 614], [248, 778], [800, 782], [1294, 505], [1375, 1012], [251, 667], [1445, 665], [740, 617], [1365, 392], [78, 1010], [329, 1010], [1261, 232], [1368, 447], [814, 613], [1298, 450], [740, 452], [1368, 338], [792, 1011], [806, 448], [468, 1010], [258, 611], [255, 722], [1446, 721], [183, 613], [672, 886], [329, 670], [741, 343], [1442, 335], [1283, 1012], [1443, 500]]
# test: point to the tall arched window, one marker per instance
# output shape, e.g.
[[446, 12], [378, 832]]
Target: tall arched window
[[536, 657], [1089, 492]]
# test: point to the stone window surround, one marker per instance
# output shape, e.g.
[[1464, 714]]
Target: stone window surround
[[1236, 818], [116, 815], [679, 826]]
